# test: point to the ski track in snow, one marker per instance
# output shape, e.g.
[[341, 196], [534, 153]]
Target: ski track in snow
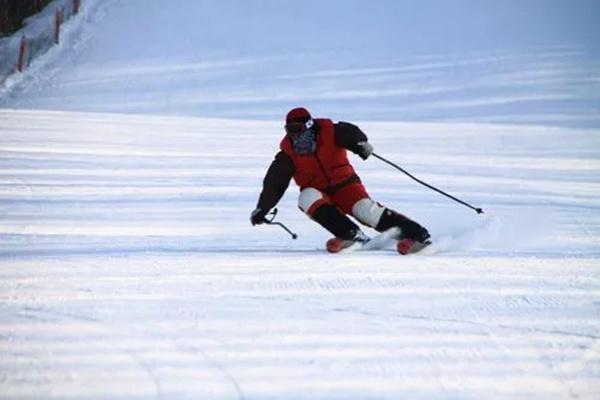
[[129, 268]]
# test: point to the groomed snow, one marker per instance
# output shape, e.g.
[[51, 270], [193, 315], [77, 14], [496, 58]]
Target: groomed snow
[[129, 268]]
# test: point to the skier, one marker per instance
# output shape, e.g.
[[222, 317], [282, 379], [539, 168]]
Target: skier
[[313, 152]]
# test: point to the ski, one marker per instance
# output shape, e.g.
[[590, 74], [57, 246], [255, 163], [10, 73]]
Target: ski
[[382, 241], [406, 246]]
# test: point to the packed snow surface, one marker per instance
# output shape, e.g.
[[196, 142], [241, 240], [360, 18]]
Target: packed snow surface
[[130, 161]]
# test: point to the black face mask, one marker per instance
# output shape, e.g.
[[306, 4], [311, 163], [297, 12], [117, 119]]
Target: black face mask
[[305, 142], [303, 136]]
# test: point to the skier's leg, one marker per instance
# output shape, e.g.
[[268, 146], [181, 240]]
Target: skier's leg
[[410, 229], [354, 199], [368, 212], [319, 207]]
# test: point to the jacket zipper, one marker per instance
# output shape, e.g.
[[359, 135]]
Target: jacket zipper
[[323, 169]]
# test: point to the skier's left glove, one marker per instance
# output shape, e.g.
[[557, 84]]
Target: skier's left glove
[[258, 216], [364, 149]]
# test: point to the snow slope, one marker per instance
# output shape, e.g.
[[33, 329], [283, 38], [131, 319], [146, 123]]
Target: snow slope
[[410, 60], [129, 268]]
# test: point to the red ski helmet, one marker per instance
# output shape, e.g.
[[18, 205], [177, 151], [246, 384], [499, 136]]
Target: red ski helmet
[[298, 114], [297, 121]]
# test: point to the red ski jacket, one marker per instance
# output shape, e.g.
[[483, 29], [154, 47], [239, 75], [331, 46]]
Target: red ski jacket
[[328, 169], [324, 169]]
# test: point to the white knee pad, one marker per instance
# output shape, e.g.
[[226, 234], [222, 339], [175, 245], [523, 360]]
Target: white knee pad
[[308, 197], [368, 212]]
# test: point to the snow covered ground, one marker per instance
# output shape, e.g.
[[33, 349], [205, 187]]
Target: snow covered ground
[[130, 159]]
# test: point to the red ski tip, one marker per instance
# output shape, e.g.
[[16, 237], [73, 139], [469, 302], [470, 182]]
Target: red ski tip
[[404, 246], [335, 245], [407, 246]]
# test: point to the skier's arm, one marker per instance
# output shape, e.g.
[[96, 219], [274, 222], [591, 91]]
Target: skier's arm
[[351, 137], [275, 183]]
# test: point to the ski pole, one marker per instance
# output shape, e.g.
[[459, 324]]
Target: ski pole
[[478, 210], [268, 221]]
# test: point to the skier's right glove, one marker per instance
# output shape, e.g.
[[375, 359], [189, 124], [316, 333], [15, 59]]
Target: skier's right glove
[[258, 216], [364, 149]]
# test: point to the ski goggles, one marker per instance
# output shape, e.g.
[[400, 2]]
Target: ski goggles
[[294, 129]]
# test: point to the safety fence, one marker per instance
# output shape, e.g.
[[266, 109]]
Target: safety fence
[[40, 33]]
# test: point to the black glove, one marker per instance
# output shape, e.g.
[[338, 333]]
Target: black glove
[[364, 149], [258, 216]]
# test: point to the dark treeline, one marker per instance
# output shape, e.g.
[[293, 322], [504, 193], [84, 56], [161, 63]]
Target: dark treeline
[[13, 12]]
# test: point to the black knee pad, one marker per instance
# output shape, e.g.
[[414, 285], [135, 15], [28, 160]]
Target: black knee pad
[[330, 218]]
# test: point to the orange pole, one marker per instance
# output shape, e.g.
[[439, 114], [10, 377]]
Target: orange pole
[[57, 22], [22, 50]]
